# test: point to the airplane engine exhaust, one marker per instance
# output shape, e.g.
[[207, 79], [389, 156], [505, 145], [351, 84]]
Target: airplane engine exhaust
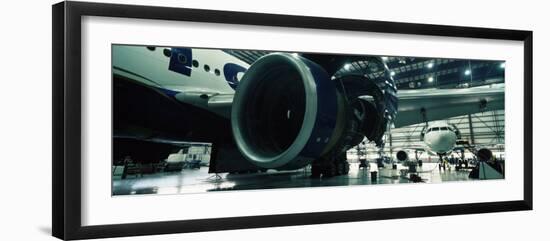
[[402, 156], [285, 112]]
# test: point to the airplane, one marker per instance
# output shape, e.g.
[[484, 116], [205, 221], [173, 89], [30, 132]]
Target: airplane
[[441, 138], [438, 137], [284, 111]]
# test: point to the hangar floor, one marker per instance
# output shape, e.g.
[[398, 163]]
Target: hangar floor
[[199, 180]]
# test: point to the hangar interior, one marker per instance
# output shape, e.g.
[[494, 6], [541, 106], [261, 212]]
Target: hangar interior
[[185, 168], [480, 129]]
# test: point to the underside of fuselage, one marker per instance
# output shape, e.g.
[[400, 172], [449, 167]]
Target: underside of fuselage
[[148, 123]]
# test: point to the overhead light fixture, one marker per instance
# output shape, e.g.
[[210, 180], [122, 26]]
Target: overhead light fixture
[[402, 60], [502, 65], [430, 65], [347, 66], [385, 58], [392, 73], [467, 72], [431, 79]]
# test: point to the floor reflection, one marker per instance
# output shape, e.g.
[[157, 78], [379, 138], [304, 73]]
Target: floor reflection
[[200, 181]]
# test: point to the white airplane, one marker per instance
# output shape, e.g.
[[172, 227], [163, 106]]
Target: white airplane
[[284, 111], [439, 138]]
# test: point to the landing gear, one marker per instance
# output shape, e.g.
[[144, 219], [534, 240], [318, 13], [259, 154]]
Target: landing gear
[[330, 167], [441, 163], [363, 163]]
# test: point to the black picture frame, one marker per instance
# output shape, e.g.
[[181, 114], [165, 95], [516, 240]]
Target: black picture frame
[[66, 47]]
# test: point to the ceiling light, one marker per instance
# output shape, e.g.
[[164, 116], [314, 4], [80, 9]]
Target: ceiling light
[[502, 65], [392, 73], [430, 65], [385, 58], [431, 79], [402, 60], [347, 66], [467, 72]]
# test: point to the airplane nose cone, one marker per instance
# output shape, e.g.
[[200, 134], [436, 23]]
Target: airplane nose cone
[[441, 142]]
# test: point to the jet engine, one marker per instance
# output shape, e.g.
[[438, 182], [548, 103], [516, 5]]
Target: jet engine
[[287, 112], [484, 154], [402, 156]]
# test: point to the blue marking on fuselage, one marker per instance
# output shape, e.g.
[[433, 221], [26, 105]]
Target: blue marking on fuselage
[[171, 93], [180, 61], [230, 71]]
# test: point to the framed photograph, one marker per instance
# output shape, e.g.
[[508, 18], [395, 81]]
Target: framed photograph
[[170, 120]]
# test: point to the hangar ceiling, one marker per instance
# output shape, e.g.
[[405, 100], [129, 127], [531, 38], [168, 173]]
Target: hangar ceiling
[[420, 73]]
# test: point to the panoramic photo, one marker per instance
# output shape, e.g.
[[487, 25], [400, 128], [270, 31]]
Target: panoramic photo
[[194, 120]]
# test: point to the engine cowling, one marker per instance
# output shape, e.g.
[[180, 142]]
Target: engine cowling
[[402, 156], [484, 154], [286, 112]]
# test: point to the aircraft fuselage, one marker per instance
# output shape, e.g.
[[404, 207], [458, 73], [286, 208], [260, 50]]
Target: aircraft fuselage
[[440, 137]]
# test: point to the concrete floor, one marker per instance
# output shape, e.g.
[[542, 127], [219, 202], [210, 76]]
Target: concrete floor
[[199, 180]]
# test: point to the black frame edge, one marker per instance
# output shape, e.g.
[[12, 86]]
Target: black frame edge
[[528, 120], [66, 120], [219, 224], [58, 180], [292, 21], [73, 124]]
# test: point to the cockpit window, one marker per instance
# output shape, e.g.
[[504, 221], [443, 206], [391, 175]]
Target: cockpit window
[[195, 63], [206, 68], [217, 72], [445, 128], [433, 129]]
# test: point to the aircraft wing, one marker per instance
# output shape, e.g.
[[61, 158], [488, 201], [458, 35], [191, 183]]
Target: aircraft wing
[[218, 103], [418, 106], [438, 104]]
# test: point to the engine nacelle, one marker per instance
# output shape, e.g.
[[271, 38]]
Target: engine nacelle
[[402, 156], [286, 112], [484, 154]]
